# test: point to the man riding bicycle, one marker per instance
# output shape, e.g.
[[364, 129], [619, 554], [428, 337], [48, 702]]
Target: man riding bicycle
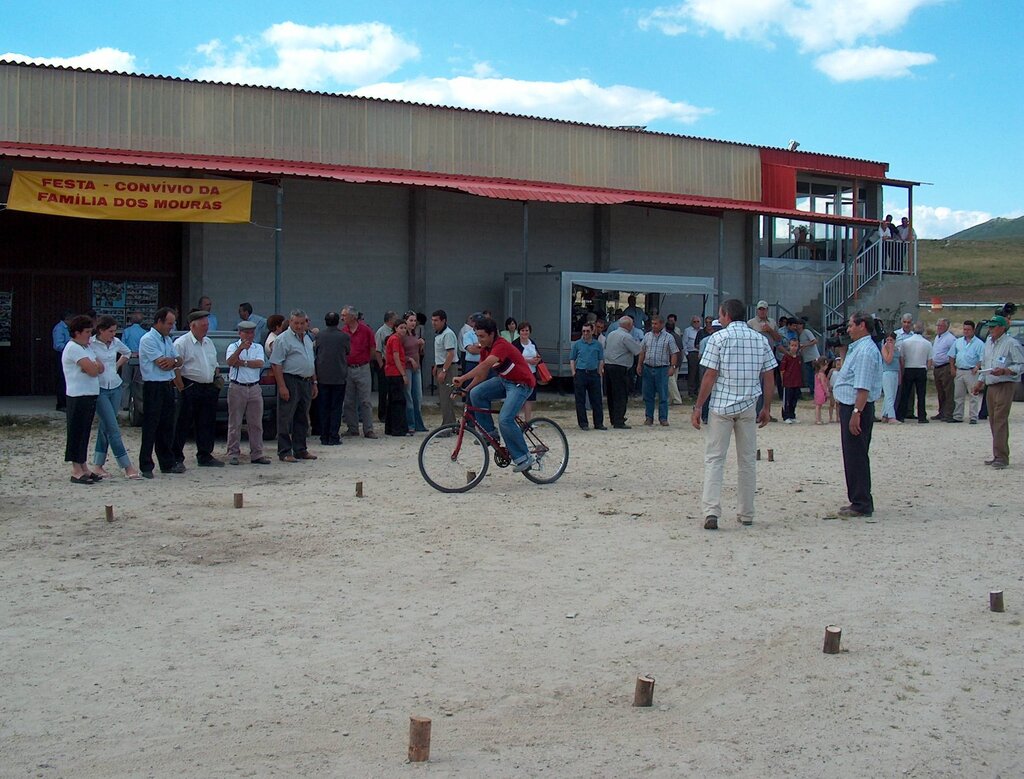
[[514, 382]]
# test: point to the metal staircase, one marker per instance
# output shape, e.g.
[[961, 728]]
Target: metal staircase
[[875, 261]]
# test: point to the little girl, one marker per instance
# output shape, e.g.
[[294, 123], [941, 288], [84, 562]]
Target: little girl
[[833, 374], [821, 388]]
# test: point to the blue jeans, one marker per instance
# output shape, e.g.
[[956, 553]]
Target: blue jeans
[[890, 388], [414, 400], [484, 393], [107, 404], [656, 383]]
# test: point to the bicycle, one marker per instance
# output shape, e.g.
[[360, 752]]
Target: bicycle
[[459, 465]]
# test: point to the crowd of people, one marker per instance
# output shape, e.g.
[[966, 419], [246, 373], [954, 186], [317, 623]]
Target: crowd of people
[[324, 378]]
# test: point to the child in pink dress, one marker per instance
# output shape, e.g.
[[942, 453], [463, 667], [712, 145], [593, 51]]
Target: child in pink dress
[[821, 388]]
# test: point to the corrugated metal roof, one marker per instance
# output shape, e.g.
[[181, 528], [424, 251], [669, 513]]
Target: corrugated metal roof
[[495, 188], [632, 130]]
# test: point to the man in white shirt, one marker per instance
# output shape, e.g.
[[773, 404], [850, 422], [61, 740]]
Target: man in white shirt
[[245, 358], [446, 364], [915, 352], [197, 405]]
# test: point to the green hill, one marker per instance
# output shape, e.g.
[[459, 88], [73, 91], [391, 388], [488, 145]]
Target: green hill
[[972, 270], [998, 229]]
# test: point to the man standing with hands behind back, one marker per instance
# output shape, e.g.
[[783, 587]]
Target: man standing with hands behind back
[[157, 362], [858, 386], [294, 367]]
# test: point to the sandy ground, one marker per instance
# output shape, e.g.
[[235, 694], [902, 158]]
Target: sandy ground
[[296, 636]]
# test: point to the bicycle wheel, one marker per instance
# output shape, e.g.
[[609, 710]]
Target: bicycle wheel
[[446, 462], [550, 449]]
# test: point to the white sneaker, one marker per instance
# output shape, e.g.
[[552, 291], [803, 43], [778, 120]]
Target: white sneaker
[[787, 421], [525, 465]]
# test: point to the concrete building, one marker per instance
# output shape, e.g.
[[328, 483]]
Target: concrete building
[[391, 205]]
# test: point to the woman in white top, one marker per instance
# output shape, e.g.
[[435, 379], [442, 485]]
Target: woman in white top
[[113, 354], [81, 375], [529, 350]]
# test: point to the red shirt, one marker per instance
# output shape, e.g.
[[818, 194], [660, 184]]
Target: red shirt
[[362, 344], [792, 371], [511, 365], [392, 347]]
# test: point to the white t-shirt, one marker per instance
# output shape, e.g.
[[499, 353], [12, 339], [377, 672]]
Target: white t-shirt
[[79, 383], [529, 352]]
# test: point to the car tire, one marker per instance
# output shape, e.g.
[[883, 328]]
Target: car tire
[[134, 414]]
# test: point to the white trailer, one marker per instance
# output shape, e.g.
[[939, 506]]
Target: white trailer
[[550, 300]]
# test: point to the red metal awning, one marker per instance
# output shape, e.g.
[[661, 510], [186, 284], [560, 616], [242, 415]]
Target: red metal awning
[[503, 189]]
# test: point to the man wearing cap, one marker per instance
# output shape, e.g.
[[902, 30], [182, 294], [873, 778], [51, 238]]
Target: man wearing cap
[[245, 398], [197, 404], [740, 368], [1001, 366], [294, 365], [762, 324]]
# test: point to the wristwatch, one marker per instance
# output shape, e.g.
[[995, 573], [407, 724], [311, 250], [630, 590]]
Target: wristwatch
[[856, 410]]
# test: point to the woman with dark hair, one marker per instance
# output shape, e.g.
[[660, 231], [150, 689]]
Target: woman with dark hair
[[275, 326], [511, 331], [396, 377], [529, 349], [413, 345], [890, 378], [113, 354], [81, 375]]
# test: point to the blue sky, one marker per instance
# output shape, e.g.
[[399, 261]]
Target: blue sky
[[933, 87]]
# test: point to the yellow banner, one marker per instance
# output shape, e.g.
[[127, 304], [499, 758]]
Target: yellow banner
[[141, 198]]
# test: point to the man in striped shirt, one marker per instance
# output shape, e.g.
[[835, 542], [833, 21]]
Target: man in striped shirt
[[740, 368]]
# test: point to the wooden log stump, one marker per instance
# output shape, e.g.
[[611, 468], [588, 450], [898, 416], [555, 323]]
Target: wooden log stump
[[644, 693], [833, 633], [995, 600], [239, 500], [109, 511], [771, 455], [359, 489], [470, 476], [419, 739]]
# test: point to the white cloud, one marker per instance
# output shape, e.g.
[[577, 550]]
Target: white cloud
[[940, 221], [306, 57], [814, 25], [870, 62], [483, 70], [579, 100], [104, 58], [562, 21]]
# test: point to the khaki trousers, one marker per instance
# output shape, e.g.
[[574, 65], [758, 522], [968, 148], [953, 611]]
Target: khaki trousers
[[245, 403], [716, 446], [444, 394], [1000, 399], [963, 383]]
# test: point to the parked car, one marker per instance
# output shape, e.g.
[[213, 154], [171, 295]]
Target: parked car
[[1015, 330], [221, 339]]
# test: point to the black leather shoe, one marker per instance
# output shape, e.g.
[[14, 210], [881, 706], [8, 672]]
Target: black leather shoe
[[211, 464], [146, 474], [711, 523]]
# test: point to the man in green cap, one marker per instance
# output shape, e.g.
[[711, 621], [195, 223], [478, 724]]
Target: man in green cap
[[1001, 367]]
